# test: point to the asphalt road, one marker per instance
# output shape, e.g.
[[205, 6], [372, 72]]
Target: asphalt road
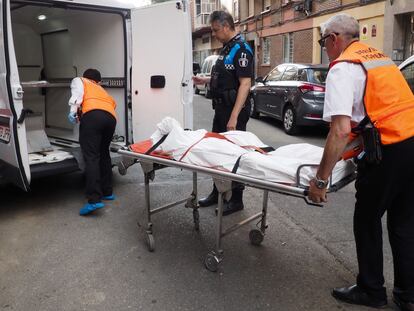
[[53, 259]]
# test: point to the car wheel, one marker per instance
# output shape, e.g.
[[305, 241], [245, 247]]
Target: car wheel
[[208, 93], [289, 120], [197, 91], [253, 112]]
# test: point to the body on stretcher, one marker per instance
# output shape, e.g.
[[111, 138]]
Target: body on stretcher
[[227, 157], [241, 153]]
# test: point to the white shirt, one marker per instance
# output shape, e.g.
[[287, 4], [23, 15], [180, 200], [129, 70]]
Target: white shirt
[[76, 98], [345, 87]]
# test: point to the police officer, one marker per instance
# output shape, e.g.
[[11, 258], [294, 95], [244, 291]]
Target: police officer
[[94, 108], [230, 83]]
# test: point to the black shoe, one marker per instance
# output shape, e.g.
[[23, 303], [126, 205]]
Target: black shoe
[[357, 296], [231, 207], [403, 305], [211, 199]]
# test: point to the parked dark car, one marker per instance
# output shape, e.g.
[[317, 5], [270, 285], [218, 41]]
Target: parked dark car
[[292, 93]]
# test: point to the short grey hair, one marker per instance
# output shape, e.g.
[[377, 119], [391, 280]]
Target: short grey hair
[[223, 18], [341, 23]]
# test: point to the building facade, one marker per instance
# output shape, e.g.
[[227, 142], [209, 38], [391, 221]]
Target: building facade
[[282, 31], [204, 44], [399, 22]]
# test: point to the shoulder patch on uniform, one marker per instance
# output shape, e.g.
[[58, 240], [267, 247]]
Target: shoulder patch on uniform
[[243, 61], [247, 47]]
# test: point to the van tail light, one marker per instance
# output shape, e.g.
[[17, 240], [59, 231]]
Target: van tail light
[[309, 87]]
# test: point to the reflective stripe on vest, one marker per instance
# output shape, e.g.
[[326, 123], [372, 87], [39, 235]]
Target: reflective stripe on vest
[[388, 100], [96, 98]]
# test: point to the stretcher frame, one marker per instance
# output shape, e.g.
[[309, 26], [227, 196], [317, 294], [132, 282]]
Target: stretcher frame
[[223, 181]]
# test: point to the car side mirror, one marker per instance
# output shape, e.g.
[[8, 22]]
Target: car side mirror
[[259, 80]]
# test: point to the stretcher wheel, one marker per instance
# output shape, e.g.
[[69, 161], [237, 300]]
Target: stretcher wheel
[[150, 242], [211, 262], [256, 237]]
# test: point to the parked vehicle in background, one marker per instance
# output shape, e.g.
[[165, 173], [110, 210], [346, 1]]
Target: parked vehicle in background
[[407, 69], [208, 64], [196, 68], [292, 93]]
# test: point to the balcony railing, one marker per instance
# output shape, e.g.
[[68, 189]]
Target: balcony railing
[[205, 9], [202, 20]]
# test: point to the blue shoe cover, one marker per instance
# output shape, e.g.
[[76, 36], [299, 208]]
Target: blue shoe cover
[[90, 207], [109, 197]]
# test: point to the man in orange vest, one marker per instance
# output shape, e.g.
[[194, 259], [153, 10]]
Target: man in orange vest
[[94, 108], [367, 94]]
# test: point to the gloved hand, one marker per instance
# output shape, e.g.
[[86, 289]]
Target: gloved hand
[[72, 117]]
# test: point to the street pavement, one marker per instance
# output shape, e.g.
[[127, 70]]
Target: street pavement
[[53, 259]]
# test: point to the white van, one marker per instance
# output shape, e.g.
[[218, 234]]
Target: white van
[[143, 53], [206, 68]]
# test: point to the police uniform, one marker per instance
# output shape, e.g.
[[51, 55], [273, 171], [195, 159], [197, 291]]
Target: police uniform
[[235, 61]]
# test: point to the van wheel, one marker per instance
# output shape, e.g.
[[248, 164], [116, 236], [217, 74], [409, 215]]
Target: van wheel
[[208, 93], [253, 112], [289, 121], [197, 91]]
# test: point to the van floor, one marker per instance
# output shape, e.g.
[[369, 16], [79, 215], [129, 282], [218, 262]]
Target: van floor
[[57, 155]]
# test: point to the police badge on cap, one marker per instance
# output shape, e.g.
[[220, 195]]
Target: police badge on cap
[[243, 61]]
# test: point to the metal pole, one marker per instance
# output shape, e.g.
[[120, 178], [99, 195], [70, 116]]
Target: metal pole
[[195, 188], [263, 225], [147, 202], [219, 223]]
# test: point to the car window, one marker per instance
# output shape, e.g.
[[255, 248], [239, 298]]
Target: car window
[[408, 73], [210, 64], [196, 68], [302, 75], [291, 74], [275, 74], [317, 75], [204, 69]]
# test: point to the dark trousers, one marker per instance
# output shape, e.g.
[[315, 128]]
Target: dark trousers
[[96, 130], [222, 114], [388, 186]]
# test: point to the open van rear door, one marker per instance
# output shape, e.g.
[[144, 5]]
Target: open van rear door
[[14, 162], [161, 66]]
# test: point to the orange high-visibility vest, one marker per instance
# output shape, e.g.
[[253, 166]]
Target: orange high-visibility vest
[[96, 98], [388, 100]]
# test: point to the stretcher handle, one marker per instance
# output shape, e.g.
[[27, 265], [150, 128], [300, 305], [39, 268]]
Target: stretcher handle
[[305, 198]]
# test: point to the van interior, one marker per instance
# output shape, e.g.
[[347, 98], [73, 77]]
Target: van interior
[[52, 46]]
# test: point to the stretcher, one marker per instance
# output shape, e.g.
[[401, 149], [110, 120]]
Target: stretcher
[[223, 181]]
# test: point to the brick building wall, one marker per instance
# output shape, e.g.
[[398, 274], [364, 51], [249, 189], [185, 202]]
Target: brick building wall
[[303, 46], [319, 6], [302, 51], [276, 55]]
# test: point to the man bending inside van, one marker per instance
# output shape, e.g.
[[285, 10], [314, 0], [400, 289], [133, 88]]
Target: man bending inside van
[[94, 108]]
